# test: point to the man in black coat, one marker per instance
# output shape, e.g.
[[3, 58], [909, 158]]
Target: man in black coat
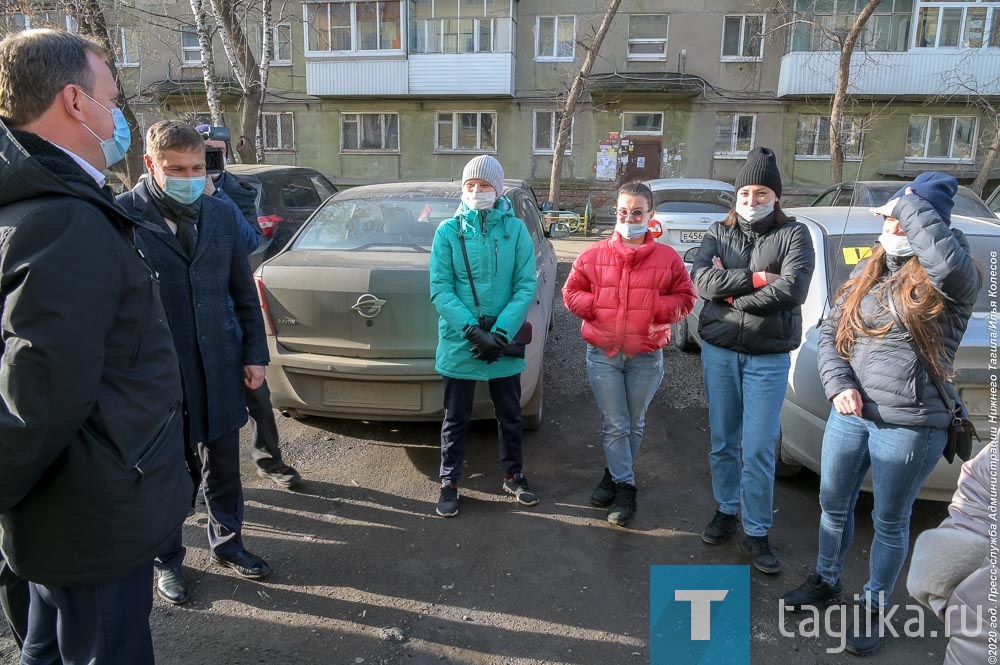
[[193, 242], [92, 477]]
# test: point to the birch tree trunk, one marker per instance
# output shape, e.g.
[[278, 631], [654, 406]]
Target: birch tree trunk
[[244, 64], [573, 98], [266, 56], [204, 31]]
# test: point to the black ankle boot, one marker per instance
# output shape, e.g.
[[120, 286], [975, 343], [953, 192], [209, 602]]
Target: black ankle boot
[[863, 637]]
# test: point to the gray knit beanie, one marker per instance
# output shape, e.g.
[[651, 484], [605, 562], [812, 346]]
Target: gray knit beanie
[[485, 168], [761, 169]]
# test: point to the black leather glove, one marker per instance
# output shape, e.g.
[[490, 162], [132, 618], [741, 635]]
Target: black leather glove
[[487, 346]]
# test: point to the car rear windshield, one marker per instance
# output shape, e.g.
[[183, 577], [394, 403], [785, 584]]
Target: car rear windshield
[[966, 201], [377, 224], [843, 252], [693, 200]]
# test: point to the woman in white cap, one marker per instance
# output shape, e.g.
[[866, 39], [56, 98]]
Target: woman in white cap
[[482, 254]]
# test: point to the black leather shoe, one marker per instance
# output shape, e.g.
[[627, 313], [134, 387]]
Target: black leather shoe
[[172, 586], [245, 564]]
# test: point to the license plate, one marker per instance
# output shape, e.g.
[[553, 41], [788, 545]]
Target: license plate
[[372, 394], [692, 236]]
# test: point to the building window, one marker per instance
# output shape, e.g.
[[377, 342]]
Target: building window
[[642, 123], [123, 42], [734, 134], [466, 132], [647, 37], [43, 18], [352, 26], [555, 38], [941, 138], [369, 132], [812, 140], [970, 24], [190, 47], [281, 42], [743, 38], [470, 26], [278, 131], [545, 131], [817, 24]]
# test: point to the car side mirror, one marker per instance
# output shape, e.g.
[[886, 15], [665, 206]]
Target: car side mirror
[[558, 231], [547, 206], [691, 254]]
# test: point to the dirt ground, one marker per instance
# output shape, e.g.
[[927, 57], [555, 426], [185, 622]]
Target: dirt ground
[[366, 573]]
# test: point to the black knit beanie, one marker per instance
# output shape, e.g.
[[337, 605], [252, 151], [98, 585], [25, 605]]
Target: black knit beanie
[[761, 169]]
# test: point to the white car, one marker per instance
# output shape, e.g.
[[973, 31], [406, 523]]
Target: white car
[[684, 208]]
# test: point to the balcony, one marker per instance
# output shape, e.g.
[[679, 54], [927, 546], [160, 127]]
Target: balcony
[[917, 73]]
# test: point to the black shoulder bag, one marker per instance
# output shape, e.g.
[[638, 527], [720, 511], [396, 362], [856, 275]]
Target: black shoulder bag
[[961, 431], [515, 347]]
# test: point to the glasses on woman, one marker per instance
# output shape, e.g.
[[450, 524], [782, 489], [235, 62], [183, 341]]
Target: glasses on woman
[[635, 214]]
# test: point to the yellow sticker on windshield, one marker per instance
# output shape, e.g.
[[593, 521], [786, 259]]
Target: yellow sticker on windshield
[[854, 254]]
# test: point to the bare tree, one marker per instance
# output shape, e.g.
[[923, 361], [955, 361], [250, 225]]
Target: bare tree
[[962, 84], [266, 56], [573, 98], [204, 30]]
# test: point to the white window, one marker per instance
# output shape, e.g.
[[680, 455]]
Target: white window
[[969, 24], [352, 26], [742, 38], [126, 51], [43, 18], [642, 123], [466, 131], [734, 134], [279, 131], [281, 43], [369, 132], [812, 140], [647, 36], [555, 38], [546, 128], [469, 26], [817, 24], [941, 138], [190, 47]]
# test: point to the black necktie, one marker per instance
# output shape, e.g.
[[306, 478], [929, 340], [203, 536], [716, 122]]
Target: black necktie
[[187, 235]]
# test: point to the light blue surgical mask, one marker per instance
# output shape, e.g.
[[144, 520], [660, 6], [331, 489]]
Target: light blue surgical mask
[[631, 231], [115, 147], [183, 190]]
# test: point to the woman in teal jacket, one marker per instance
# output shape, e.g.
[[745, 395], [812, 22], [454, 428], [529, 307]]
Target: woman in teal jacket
[[501, 256]]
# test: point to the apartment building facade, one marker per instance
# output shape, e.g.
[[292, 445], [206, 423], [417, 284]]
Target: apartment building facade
[[375, 90]]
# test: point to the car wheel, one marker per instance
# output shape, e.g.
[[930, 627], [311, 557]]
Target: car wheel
[[784, 466], [680, 337], [534, 410]]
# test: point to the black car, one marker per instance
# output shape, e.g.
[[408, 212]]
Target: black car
[[874, 193], [286, 196]]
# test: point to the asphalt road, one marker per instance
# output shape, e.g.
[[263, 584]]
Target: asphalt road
[[366, 573]]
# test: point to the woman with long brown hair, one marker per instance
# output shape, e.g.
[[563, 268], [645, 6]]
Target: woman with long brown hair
[[887, 414]]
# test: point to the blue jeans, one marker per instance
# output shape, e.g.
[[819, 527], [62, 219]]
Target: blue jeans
[[623, 388], [900, 458], [744, 393]]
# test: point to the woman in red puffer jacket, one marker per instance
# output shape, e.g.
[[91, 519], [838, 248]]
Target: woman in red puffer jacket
[[628, 289]]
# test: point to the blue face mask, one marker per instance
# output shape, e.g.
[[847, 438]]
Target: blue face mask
[[183, 190], [115, 147]]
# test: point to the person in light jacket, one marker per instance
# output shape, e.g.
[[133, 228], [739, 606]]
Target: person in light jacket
[[628, 289], [502, 258]]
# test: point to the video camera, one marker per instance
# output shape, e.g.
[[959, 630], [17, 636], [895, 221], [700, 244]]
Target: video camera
[[215, 158]]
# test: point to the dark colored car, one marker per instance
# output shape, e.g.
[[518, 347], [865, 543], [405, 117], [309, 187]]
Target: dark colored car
[[873, 193], [287, 195]]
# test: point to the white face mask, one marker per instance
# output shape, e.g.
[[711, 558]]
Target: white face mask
[[479, 200], [631, 231], [753, 213], [895, 245]]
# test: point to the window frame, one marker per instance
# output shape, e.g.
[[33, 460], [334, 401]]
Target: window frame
[[648, 57], [642, 132], [743, 36], [454, 133], [553, 129], [185, 61], [367, 151], [353, 28], [854, 118], [281, 144], [819, 42], [554, 57], [991, 23], [277, 61], [121, 40], [734, 136], [971, 159]]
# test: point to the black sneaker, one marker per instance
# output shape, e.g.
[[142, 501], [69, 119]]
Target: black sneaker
[[605, 492], [720, 529], [863, 638], [623, 509], [814, 592], [281, 475], [518, 486], [760, 553], [448, 501]]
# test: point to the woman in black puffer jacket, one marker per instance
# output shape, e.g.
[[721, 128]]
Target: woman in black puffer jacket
[[887, 414]]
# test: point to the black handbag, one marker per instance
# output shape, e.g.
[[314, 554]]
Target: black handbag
[[517, 341], [961, 432]]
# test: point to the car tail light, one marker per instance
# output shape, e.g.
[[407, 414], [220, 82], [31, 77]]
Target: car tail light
[[264, 309], [656, 228], [268, 224]]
